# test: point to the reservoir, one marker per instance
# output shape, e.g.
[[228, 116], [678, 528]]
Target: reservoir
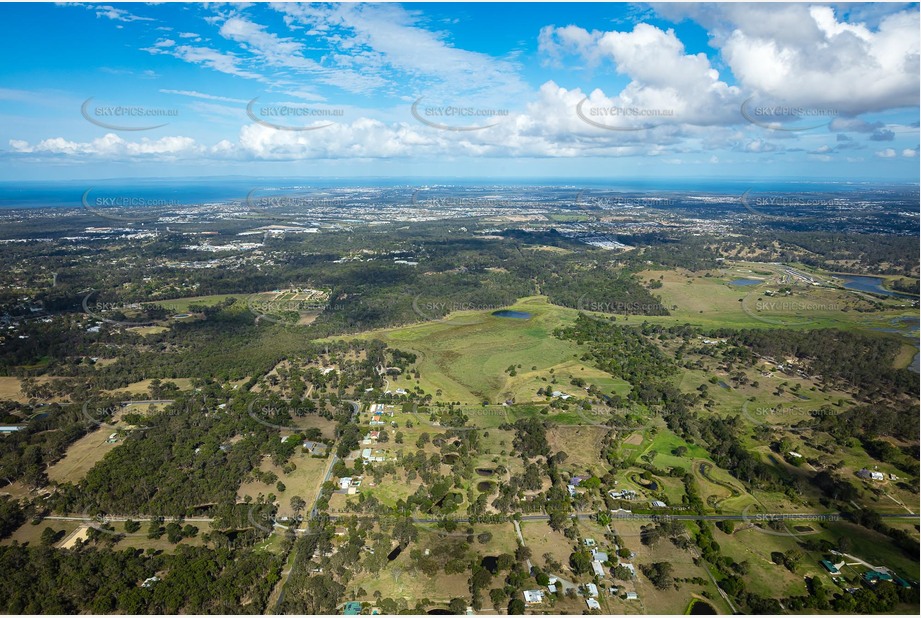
[[873, 285], [508, 313], [746, 282]]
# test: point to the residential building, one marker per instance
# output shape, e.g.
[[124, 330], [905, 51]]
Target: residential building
[[533, 597]]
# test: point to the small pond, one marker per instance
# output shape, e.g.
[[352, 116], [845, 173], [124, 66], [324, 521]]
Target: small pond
[[508, 313], [701, 608], [490, 563]]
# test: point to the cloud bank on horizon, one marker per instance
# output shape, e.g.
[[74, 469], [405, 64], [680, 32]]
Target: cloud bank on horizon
[[724, 90]]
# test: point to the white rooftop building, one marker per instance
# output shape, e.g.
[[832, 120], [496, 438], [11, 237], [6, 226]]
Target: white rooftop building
[[533, 597]]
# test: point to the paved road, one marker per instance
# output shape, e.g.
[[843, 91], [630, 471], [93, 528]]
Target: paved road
[[356, 407], [521, 539], [108, 518], [753, 517], [280, 586]]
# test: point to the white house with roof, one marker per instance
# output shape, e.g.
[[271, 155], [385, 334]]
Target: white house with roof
[[533, 597], [598, 568], [592, 604]]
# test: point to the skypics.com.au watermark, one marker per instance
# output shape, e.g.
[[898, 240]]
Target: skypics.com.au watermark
[[446, 418], [620, 118], [440, 309], [759, 204], [620, 307], [426, 198], [125, 117], [782, 117], [297, 118], [787, 524], [778, 415], [796, 305], [803, 312], [586, 201], [287, 306], [293, 204], [114, 312], [278, 415], [106, 415], [441, 116], [126, 208]]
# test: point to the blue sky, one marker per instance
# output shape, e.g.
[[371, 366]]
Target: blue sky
[[742, 91]]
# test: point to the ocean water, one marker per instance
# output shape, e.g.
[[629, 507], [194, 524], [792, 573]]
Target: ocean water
[[185, 191]]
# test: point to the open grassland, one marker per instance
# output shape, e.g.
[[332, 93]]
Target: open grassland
[[181, 305], [465, 356], [711, 300], [669, 601], [147, 330], [583, 445], [541, 539], [143, 387], [754, 545], [10, 388], [82, 455]]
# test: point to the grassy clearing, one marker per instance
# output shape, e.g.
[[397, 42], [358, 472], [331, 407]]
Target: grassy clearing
[[542, 539], [181, 305], [465, 357], [30, 534], [871, 547], [755, 547], [82, 455], [143, 387], [582, 444], [10, 388], [304, 481], [714, 301], [147, 330], [670, 601]]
